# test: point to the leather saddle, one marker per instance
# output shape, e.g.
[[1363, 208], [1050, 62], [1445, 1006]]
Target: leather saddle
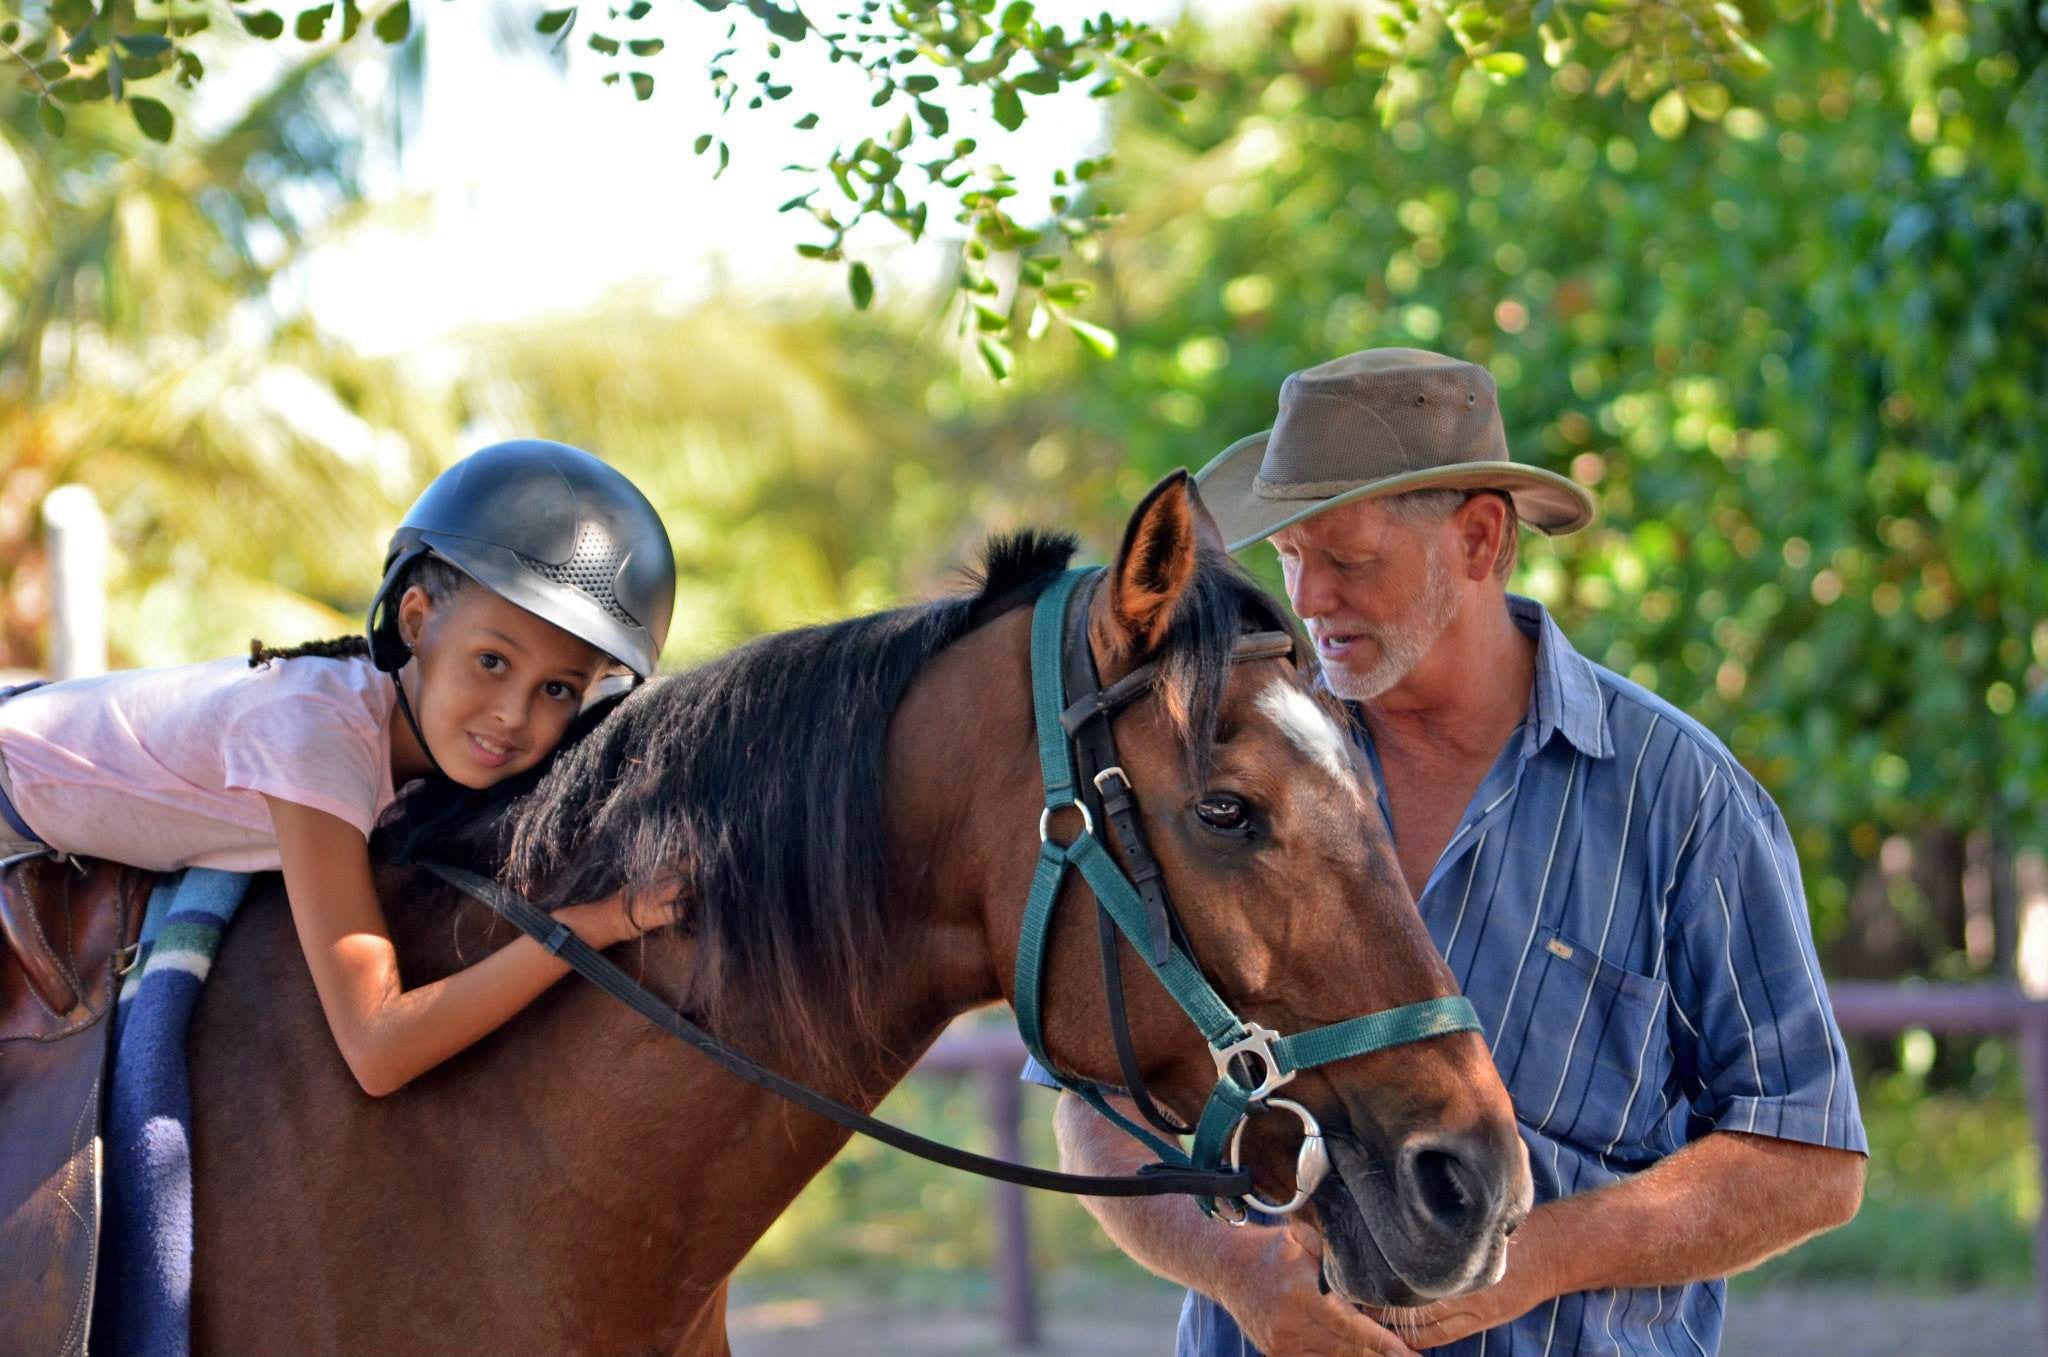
[[69, 933]]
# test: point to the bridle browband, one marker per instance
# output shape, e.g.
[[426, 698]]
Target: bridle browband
[[1251, 1061]]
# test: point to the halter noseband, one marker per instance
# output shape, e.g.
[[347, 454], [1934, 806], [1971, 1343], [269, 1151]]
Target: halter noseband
[[1074, 713]]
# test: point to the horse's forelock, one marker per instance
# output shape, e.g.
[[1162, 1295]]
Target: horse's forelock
[[1221, 604]]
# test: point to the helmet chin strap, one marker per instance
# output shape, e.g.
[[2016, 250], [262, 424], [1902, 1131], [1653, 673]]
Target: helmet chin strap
[[405, 705]]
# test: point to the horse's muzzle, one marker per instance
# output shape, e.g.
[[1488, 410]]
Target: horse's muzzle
[[1428, 1220]]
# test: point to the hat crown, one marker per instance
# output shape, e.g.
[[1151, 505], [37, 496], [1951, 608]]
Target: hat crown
[[1377, 413]]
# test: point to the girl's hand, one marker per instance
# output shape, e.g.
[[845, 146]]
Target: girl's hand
[[601, 923], [620, 917]]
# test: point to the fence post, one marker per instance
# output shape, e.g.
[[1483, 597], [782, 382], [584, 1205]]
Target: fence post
[[2033, 1035], [76, 533], [1013, 1226]]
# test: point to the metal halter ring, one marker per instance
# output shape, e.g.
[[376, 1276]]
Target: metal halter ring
[[1257, 1042], [1045, 819], [1311, 1163]]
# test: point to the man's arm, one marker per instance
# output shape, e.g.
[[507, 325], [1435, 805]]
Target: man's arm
[[1721, 1205]]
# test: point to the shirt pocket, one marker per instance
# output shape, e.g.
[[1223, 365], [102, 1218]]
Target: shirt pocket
[[1605, 1024]]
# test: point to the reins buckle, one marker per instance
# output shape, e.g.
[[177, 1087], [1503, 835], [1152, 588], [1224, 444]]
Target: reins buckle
[[1116, 771], [1257, 1044]]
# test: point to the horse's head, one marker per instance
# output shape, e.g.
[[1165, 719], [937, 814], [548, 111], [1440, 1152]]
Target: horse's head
[[1283, 880]]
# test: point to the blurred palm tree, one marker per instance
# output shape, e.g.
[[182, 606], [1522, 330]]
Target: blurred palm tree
[[247, 462]]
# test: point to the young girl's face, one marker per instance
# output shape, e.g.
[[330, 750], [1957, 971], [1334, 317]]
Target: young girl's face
[[494, 687]]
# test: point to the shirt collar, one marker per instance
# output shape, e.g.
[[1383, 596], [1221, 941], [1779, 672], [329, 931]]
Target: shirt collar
[[1566, 698]]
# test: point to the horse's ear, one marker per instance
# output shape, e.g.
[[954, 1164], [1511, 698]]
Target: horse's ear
[[1153, 567]]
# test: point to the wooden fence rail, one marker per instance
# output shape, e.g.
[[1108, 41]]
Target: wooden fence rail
[[1864, 1008]]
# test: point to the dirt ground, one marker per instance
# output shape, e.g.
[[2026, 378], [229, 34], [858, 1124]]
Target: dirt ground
[[1774, 1323]]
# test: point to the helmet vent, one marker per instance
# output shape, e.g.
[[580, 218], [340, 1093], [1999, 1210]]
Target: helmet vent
[[590, 569]]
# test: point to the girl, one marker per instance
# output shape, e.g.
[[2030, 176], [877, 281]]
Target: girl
[[522, 576]]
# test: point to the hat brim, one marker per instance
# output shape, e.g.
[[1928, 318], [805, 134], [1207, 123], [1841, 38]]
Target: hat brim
[[1543, 499]]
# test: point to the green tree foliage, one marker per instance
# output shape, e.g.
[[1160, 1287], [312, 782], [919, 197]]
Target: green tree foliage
[[1799, 348], [922, 64]]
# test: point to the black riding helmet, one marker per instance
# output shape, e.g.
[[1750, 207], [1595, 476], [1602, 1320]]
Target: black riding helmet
[[550, 529]]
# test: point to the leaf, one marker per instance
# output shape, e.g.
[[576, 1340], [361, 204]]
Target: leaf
[[1098, 341], [152, 117], [788, 24], [935, 118], [724, 159], [701, 144], [1016, 18], [311, 23], [639, 10], [394, 24], [52, 117], [807, 122], [1708, 99], [143, 44], [996, 357], [263, 24], [1069, 293], [921, 84], [1009, 108], [1669, 115], [643, 86], [861, 284], [1038, 82], [1181, 93], [605, 46], [554, 20], [645, 47]]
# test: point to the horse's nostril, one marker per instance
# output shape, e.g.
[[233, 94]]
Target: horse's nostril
[[1446, 1187]]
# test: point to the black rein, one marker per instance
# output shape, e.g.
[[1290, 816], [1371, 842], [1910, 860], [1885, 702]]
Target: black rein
[[1152, 1181]]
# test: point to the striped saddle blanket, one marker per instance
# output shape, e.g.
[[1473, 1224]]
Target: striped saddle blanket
[[143, 1302]]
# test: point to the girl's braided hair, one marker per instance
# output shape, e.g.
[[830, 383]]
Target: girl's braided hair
[[440, 580]]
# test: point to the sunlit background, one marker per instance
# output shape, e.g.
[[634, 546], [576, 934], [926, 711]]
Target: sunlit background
[[1799, 351]]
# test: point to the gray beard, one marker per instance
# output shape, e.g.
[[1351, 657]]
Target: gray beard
[[1402, 645]]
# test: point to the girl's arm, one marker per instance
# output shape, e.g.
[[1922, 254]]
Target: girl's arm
[[389, 1034]]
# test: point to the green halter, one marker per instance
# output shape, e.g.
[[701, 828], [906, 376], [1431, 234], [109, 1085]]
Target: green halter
[[1235, 1044]]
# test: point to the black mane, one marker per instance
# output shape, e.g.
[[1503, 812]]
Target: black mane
[[758, 777]]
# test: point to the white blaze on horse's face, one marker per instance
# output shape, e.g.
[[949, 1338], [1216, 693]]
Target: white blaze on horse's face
[[1304, 722]]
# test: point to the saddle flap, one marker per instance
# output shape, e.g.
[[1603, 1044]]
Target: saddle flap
[[65, 931]]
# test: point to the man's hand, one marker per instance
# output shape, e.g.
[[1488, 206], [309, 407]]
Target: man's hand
[[1446, 1321], [1280, 1305]]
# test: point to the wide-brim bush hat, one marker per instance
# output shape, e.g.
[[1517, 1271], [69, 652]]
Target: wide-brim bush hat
[[1376, 423]]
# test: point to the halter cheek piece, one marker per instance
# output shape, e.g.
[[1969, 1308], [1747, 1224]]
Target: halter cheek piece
[[1251, 1061]]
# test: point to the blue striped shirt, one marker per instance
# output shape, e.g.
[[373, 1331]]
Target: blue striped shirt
[[1621, 903]]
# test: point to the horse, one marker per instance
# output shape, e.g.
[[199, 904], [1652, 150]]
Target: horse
[[844, 817]]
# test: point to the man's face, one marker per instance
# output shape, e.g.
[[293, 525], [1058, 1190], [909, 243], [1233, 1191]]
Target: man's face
[[1375, 592]]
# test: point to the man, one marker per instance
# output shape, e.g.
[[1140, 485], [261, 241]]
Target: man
[[1617, 896]]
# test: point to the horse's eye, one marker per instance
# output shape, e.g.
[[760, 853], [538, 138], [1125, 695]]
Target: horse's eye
[[1223, 812]]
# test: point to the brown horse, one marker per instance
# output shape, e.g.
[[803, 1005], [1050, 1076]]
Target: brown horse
[[853, 810]]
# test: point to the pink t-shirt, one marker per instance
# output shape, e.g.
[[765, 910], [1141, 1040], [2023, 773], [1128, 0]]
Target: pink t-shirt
[[165, 768]]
